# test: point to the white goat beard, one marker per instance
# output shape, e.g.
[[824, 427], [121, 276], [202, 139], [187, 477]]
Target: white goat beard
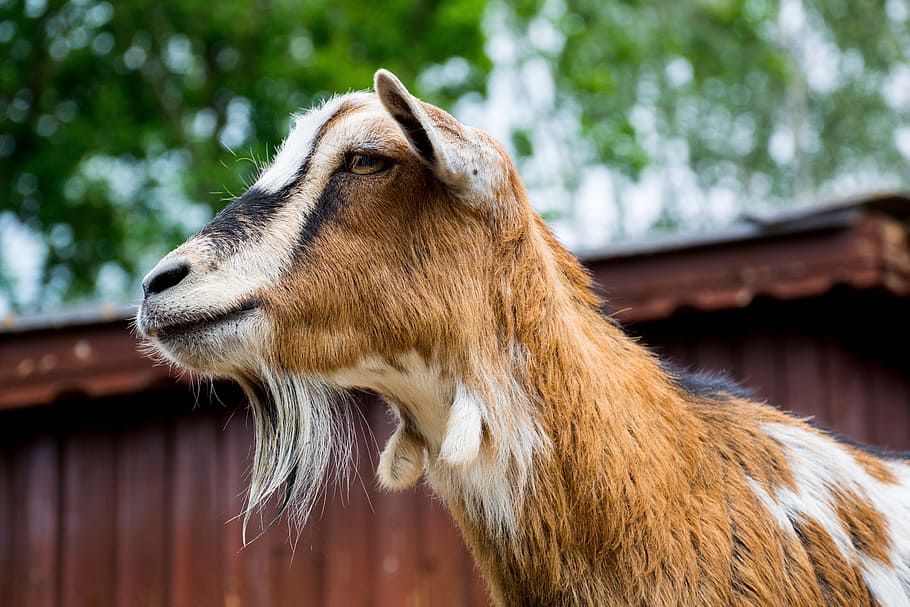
[[303, 428]]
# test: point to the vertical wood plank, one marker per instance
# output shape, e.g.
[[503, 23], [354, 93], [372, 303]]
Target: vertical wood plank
[[233, 471], [348, 538], [248, 574], [394, 522], [479, 595], [297, 567], [845, 392], [7, 517], [196, 571], [889, 407], [40, 510], [442, 569], [296, 564], [804, 379], [87, 552], [141, 515], [759, 355]]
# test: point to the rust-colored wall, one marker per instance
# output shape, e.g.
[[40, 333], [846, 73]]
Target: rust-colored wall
[[128, 501]]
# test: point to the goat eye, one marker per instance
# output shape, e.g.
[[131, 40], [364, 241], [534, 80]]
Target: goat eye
[[366, 164]]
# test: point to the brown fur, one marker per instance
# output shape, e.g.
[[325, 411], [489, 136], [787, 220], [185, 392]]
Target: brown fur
[[874, 467], [839, 582], [867, 527]]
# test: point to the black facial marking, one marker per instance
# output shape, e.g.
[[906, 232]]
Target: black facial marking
[[247, 216], [244, 218], [417, 135], [330, 202]]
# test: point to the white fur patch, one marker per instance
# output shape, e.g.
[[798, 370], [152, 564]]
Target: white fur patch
[[774, 508], [820, 466], [495, 486], [303, 428], [412, 384], [491, 479], [296, 147], [464, 429]]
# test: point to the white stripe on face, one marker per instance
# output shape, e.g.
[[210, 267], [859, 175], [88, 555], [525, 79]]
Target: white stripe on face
[[299, 143]]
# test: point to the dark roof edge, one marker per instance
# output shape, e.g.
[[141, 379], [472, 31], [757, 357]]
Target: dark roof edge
[[838, 214], [79, 316]]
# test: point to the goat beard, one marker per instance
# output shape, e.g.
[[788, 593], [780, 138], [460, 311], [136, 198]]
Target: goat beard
[[303, 429]]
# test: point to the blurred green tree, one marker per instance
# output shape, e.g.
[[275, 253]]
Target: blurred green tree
[[115, 118], [773, 100]]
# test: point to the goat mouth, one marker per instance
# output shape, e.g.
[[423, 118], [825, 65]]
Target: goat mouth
[[184, 326]]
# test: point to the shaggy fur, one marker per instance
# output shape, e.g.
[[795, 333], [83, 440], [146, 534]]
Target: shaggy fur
[[579, 470]]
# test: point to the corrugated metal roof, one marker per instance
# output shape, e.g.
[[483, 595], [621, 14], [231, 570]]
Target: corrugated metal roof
[[50, 361], [863, 243], [835, 214], [87, 314]]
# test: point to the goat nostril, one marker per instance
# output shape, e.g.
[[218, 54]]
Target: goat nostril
[[167, 277]]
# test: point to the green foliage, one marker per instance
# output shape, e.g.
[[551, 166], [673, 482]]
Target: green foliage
[[115, 118], [736, 82]]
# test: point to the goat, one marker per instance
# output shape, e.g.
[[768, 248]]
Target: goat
[[389, 247]]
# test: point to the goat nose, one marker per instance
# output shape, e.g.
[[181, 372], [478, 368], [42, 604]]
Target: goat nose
[[165, 277]]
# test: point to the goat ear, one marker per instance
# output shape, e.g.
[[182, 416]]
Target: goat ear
[[427, 140]]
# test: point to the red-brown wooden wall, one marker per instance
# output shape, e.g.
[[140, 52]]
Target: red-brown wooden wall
[[132, 502]]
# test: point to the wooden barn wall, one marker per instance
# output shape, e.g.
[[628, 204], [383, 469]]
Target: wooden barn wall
[[129, 501]]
